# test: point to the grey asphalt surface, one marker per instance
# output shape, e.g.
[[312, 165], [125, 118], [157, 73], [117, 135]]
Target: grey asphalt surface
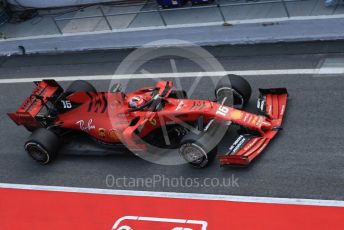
[[329, 29], [304, 161]]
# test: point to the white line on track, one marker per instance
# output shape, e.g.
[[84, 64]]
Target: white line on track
[[195, 196], [290, 72]]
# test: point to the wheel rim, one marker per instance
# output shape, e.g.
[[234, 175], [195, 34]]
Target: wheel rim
[[193, 154], [37, 152]]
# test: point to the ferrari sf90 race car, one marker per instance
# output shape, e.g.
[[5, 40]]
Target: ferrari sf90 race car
[[144, 117]]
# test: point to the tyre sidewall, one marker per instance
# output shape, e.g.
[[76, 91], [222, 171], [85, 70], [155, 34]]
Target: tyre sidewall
[[44, 140], [189, 144], [239, 89], [42, 149], [80, 86]]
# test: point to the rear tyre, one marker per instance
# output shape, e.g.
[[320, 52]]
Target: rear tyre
[[236, 92], [42, 145], [80, 86], [194, 151]]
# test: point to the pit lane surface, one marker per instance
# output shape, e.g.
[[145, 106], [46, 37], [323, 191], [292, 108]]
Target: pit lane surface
[[304, 161]]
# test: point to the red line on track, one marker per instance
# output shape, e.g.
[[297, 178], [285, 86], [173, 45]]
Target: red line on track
[[32, 209]]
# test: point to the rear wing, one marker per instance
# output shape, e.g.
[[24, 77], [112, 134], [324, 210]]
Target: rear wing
[[272, 103], [45, 91]]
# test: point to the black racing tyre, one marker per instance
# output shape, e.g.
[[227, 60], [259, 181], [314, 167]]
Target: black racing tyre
[[80, 86], [178, 94], [193, 150], [42, 145], [30, 129], [237, 89]]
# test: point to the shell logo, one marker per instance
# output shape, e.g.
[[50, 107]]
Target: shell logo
[[101, 132], [113, 134], [236, 114]]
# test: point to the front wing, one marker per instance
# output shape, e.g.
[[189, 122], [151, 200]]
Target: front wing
[[272, 103]]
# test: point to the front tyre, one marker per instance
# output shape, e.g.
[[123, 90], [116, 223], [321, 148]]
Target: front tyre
[[194, 154], [42, 145], [233, 90], [193, 150]]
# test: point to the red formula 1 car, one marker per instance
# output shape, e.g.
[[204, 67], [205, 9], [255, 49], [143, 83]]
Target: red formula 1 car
[[145, 117]]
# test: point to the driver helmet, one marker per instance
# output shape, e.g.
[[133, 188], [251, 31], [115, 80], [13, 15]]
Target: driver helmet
[[136, 102]]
